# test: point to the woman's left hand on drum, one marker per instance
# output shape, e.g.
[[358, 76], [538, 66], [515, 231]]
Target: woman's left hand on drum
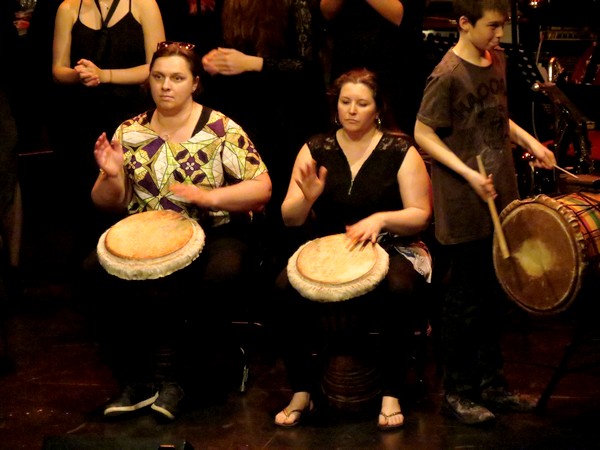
[[190, 194], [108, 155]]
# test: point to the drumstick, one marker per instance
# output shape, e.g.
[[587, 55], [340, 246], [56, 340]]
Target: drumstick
[[494, 213], [565, 171]]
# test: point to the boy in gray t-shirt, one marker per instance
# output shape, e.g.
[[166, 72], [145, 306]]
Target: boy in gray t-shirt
[[464, 114]]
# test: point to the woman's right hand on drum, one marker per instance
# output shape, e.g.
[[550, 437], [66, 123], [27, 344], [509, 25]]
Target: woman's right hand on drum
[[365, 230], [108, 155]]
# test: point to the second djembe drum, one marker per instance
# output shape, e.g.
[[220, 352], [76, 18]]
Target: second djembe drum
[[336, 274]]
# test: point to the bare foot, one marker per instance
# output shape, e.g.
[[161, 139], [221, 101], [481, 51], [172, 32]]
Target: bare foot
[[292, 414]]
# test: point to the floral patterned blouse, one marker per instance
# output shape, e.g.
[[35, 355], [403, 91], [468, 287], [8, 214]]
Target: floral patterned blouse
[[219, 153]]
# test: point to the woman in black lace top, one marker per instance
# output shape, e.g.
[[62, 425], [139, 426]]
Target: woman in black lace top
[[372, 185]]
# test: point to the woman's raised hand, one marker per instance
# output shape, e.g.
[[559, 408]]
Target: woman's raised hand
[[311, 182], [108, 155]]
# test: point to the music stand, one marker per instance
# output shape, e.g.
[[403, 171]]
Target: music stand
[[570, 124]]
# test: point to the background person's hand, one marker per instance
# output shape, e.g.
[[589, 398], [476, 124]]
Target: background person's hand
[[228, 61], [89, 73], [208, 62]]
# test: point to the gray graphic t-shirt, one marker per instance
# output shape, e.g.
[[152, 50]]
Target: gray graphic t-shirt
[[467, 105]]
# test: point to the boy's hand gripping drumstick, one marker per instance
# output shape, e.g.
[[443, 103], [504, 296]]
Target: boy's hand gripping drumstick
[[494, 213]]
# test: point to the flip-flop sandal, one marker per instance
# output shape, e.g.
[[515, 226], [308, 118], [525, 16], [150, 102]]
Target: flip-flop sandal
[[387, 427], [302, 415]]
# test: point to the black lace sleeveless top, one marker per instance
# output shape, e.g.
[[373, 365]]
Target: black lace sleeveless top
[[375, 188]]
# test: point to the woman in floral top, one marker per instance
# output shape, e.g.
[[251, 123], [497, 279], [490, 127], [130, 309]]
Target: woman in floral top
[[184, 157]]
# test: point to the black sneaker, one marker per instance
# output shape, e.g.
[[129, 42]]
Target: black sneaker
[[169, 400], [131, 399], [501, 399], [465, 410]]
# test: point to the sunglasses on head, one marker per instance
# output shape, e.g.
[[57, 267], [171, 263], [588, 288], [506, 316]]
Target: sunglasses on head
[[182, 45]]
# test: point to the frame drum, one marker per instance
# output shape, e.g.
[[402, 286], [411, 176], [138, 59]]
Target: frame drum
[[553, 242], [150, 245]]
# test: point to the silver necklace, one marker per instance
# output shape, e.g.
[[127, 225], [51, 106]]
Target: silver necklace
[[166, 135]]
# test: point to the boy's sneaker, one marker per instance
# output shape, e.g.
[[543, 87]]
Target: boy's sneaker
[[465, 410], [169, 399], [131, 399], [501, 399]]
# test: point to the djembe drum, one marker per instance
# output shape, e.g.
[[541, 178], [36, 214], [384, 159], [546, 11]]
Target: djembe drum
[[150, 245], [335, 273], [554, 246]]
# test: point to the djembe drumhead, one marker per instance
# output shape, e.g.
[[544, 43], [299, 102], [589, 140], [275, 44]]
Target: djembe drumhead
[[149, 245], [331, 269]]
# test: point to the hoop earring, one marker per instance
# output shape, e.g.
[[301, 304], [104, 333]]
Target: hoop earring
[[336, 120], [378, 121]]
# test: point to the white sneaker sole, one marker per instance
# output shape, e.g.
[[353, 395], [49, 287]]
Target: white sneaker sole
[[163, 411], [118, 410]]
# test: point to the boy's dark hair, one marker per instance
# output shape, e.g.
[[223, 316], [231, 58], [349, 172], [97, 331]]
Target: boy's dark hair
[[474, 10]]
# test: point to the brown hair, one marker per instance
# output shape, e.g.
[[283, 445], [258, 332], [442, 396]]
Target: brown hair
[[255, 25], [182, 49], [369, 79], [474, 10], [186, 51]]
